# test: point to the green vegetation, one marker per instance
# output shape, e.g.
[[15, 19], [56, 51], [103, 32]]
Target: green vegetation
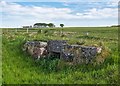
[[61, 25], [43, 25], [19, 67], [0, 56]]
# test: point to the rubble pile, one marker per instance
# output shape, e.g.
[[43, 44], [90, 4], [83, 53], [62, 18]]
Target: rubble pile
[[61, 49], [80, 54], [36, 49]]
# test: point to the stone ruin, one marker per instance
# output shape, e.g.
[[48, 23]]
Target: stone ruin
[[62, 50], [36, 49]]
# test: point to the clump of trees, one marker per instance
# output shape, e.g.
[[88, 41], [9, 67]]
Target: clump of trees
[[115, 26], [39, 25], [61, 25]]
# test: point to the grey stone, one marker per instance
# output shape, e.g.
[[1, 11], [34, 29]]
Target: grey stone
[[61, 49], [35, 48]]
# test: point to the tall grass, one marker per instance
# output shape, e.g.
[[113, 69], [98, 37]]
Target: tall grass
[[19, 67]]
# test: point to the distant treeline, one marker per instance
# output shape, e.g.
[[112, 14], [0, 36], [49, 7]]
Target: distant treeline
[[42, 25], [115, 26]]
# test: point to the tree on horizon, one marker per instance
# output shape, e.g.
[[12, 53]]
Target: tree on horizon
[[62, 25], [51, 25], [43, 25]]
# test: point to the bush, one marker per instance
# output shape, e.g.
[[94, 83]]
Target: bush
[[46, 31], [40, 31]]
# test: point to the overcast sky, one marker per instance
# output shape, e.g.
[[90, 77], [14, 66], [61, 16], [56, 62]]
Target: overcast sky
[[14, 13]]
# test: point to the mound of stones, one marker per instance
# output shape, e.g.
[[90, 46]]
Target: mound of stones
[[62, 50], [36, 49]]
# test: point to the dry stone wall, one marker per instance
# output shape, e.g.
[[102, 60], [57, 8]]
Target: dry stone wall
[[70, 53]]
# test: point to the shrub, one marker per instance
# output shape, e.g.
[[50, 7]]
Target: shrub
[[46, 31], [104, 54], [39, 31]]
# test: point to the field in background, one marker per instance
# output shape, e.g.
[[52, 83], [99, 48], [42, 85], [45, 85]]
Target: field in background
[[18, 67]]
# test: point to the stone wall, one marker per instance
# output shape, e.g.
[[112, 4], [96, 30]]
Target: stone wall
[[36, 49], [66, 52], [79, 54]]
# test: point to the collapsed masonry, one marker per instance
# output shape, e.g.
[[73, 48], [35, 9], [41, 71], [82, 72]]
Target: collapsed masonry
[[62, 50]]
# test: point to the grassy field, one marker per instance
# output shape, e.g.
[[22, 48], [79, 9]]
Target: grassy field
[[19, 68], [0, 56]]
